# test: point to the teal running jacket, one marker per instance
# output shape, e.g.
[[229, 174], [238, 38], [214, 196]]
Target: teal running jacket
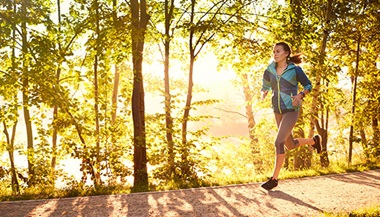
[[285, 86]]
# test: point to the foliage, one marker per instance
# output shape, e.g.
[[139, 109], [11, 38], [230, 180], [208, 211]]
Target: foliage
[[58, 74]]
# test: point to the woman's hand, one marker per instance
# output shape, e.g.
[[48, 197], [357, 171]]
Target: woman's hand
[[264, 94], [297, 99]]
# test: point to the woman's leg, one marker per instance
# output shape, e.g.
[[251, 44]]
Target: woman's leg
[[285, 123], [280, 158], [304, 141]]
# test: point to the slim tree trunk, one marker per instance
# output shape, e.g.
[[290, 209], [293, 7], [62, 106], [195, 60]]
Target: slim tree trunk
[[55, 109], [376, 134], [187, 108], [322, 130], [355, 80], [96, 96], [187, 114], [249, 112], [317, 87], [115, 91], [10, 142], [168, 117], [301, 156], [25, 96], [140, 20]]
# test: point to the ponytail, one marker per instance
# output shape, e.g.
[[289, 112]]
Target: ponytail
[[297, 58]]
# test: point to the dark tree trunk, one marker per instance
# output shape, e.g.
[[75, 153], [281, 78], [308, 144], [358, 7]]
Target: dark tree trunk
[[351, 138], [139, 23]]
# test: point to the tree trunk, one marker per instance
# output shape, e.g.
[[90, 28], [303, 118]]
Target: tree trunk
[[55, 109], [25, 96], [351, 138], [168, 117], [139, 23], [249, 112], [115, 91], [96, 172], [10, 142], [376, 134], [302, 155], [324, 157], [187, 114], [187, 108], [55, 134], [317, 88]]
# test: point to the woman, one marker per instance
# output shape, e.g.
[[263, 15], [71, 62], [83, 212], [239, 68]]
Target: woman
[[282, 77]]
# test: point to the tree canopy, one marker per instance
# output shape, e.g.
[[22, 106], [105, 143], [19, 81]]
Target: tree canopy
[[78, 79]]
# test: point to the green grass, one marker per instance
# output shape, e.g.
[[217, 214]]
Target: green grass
[[371, 211], [332, 169], [46, 192]]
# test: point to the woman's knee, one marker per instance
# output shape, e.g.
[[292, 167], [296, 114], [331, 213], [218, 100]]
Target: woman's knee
[[280, 147]]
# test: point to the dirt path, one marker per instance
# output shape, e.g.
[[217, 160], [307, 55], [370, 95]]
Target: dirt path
[[295, 197]]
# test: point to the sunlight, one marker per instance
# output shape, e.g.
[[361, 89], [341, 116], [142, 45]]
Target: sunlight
[[48, 208], [281, 2], [206, 73]]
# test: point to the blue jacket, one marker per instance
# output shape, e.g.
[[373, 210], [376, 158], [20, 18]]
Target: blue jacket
[[284, 86]]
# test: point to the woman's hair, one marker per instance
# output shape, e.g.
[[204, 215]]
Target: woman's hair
[[296, 58]]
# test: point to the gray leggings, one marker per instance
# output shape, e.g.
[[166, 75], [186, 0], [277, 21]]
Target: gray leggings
[[285, 123]]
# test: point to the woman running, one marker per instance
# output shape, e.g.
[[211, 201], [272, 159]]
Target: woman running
[[282, 77]]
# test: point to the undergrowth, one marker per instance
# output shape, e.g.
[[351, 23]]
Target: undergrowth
[[78, 189]]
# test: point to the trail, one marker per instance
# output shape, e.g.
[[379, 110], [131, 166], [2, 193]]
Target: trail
[[309, 196]]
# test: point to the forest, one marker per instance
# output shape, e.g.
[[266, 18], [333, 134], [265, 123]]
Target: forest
[[165, 94]]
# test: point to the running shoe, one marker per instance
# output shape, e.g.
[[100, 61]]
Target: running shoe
[[317, 143], [270, 184]]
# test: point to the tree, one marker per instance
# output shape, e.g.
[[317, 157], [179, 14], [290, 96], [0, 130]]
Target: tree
[[139, 21], [8, 90], [169, 8], [359, 41], [240, 48], [202, 27]]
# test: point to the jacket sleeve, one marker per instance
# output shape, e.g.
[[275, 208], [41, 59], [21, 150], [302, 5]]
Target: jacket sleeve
[[266, 81], [303, 79]]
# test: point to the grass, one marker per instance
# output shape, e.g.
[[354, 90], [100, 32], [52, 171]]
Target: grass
[[332, 169], [47, 192], [371, 211]]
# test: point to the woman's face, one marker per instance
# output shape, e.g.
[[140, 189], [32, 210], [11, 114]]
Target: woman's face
[[279, 54]]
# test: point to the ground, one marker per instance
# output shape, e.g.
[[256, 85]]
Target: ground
[[293, 197]]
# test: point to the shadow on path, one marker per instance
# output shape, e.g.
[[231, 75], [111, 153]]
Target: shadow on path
[[360, 178], [284, 196], [234, 200]]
